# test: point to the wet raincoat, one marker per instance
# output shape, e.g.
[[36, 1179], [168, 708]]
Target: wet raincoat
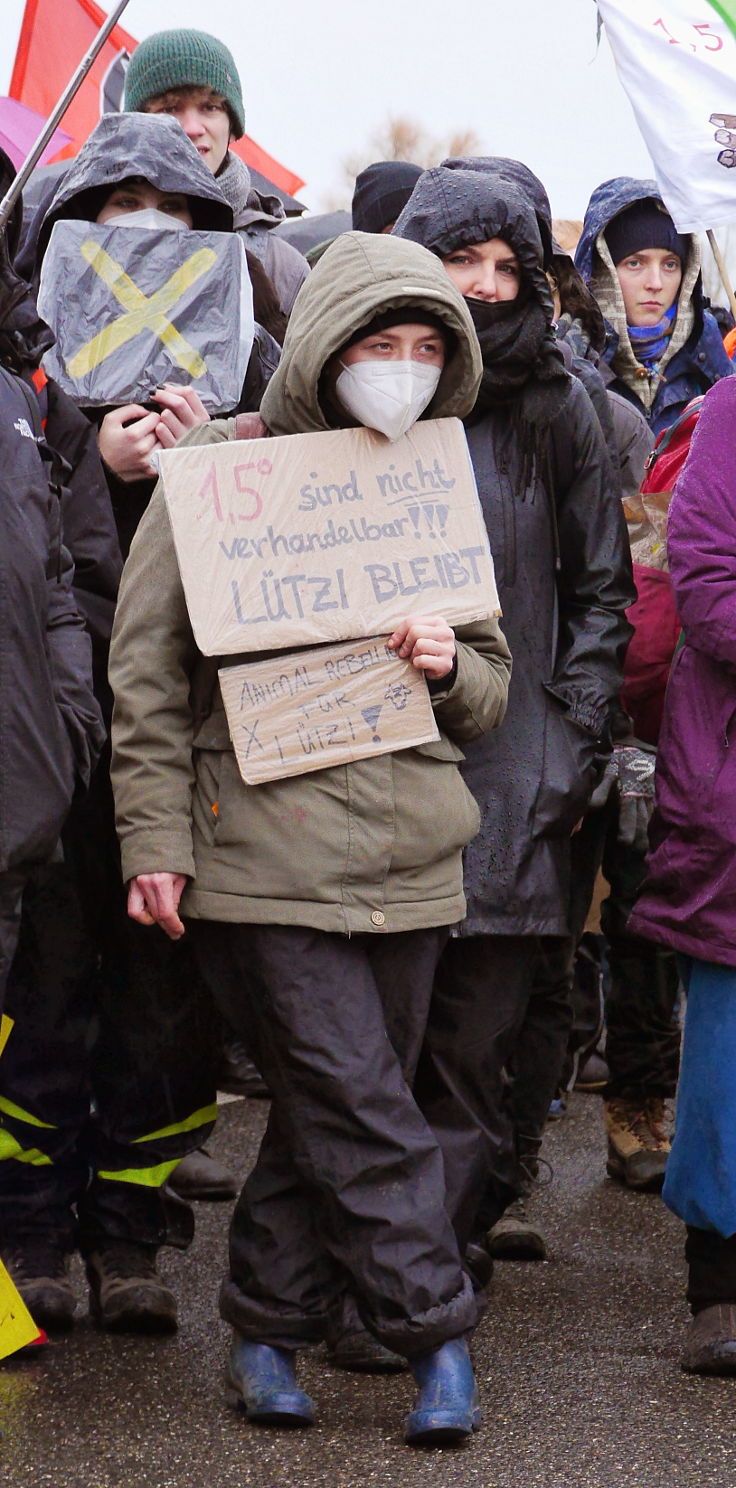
[[155, 147], [373, 846], [563, 573], [695, 358]]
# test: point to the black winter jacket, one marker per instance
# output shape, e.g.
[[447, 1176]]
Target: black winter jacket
[[564, 578], [50, 726]]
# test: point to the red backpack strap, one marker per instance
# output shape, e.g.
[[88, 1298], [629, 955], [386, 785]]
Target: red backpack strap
[[40, 383]]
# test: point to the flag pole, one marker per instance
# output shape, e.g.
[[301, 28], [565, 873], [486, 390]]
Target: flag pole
[[11, 196], [723, 271]]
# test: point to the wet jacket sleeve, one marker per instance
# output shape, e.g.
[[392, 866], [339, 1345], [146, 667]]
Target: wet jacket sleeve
[[70, 655], [476, 699], [701, 537], [594, 583], [152, 655]]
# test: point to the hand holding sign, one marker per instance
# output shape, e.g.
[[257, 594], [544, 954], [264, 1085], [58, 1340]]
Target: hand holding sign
[[129, 435], [428, 642]]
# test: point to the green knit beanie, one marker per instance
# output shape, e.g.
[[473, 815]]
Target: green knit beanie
[[183, 59]]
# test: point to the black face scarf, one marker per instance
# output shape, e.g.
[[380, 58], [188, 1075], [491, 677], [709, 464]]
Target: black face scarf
[[523, 373], [521, 360]]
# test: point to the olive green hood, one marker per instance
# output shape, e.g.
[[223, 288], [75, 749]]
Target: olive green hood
[[361, 275]]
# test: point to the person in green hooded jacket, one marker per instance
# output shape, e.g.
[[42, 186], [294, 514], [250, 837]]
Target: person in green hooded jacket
[[319, 904]]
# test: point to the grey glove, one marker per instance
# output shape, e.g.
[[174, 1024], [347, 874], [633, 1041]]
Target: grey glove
[[635, 767]]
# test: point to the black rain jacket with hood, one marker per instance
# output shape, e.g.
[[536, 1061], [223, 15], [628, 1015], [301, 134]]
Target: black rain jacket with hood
[[156, 148], [50, 726], [564, 575], [88, 523]]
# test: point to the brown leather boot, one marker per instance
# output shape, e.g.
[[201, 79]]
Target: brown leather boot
[[127, 1294]]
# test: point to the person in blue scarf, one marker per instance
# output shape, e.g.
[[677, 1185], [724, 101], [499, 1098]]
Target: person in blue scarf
[[663, 346]]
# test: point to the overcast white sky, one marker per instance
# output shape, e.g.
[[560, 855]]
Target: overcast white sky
[[321, 76]]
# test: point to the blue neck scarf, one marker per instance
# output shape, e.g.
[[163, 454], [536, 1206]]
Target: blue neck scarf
[[649, 343]]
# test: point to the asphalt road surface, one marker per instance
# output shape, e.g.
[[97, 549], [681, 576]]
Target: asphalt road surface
[[577, 1359]]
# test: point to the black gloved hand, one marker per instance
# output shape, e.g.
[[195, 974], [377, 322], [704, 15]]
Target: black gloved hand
[[635, 766]]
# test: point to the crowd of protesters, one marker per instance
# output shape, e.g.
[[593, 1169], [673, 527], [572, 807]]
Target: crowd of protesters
[[398, 952]]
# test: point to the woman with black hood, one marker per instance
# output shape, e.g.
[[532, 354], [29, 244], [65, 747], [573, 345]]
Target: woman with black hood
[[559, 543]]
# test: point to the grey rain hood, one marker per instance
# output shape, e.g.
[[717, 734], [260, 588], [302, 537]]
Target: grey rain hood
[[152, 146], [360, 276]]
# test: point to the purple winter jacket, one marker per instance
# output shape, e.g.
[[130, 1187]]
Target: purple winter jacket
[[689, 899]]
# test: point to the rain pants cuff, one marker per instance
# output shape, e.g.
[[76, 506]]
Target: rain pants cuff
[[419, 1335], [261, 1323]]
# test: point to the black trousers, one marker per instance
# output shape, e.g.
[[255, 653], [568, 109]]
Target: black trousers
[[107, 1078], [348, 1190], [642, 990], [12, 883], [711, 1260], [483, 995]]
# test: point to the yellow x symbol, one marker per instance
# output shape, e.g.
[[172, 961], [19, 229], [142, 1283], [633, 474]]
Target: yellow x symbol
[[141, 313]]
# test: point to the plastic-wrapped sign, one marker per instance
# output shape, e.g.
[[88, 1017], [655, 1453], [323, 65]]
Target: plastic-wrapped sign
[[323, 537], [133, 308]]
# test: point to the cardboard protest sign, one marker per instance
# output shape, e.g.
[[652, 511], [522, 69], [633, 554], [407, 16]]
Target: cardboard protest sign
[[324, 537], [132, 308], [328, 706]]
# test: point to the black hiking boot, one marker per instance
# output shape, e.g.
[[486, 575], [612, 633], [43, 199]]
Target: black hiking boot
[[39, 1267], [127, 1294]]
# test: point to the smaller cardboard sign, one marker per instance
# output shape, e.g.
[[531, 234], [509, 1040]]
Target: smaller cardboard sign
[[312, 709], [323, 537]]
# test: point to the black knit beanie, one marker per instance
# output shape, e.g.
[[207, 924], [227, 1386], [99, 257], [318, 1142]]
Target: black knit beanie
[[645, 224], [381, 192]]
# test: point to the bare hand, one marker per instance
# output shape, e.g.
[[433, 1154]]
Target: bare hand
[[126, 438], [428, 641], [153, 899], [183, 409]]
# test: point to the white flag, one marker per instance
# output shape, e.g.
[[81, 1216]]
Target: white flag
[[677, 61]]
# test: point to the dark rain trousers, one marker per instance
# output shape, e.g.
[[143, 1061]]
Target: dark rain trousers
[[643, 986], [12, 882], [711, 1260], [348, 1191], [483, 996], [107, 1077]]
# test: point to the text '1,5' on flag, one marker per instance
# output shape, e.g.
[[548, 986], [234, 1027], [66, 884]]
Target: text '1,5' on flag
[[677, 61]]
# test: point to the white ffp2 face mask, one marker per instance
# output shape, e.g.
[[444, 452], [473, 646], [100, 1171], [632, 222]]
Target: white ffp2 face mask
[[149, 218], [388, 396]]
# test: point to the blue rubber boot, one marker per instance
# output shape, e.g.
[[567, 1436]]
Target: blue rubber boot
[[262, 1381], [447, 1408]]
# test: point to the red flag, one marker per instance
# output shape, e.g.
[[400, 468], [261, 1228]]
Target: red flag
[[54, 36], [50, 48]]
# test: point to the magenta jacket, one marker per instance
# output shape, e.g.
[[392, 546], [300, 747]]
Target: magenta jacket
[[689, 899]]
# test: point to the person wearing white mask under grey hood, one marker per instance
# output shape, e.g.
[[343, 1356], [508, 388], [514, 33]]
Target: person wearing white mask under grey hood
[[318, 904]]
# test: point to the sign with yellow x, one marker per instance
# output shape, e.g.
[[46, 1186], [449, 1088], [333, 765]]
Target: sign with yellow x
[[133, 308]]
